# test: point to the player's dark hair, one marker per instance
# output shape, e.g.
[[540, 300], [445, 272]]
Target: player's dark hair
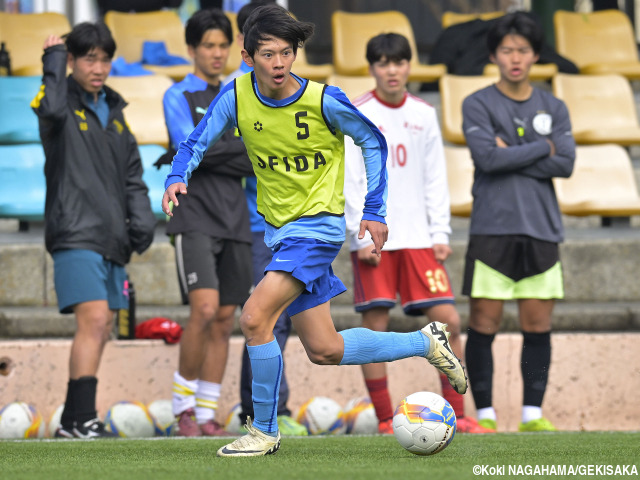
[[392, 46], [274, 21], [204, 20], [247, 9], [86, 36], [516, 23]]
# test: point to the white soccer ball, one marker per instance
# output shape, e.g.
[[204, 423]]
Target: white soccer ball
[[232, 423], [164, 420], [424, 423], [21, 420], [360, 416], [322, 416], [54, 421], [130, 419]]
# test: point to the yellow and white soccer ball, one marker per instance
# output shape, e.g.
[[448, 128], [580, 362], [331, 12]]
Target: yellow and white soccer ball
[[360, 416], [164, 420], [232, 423], [130, 419], [21, 420], [322, 416], [424, 423]]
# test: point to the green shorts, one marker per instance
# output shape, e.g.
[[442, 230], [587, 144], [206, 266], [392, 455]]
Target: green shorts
[[510, 267]]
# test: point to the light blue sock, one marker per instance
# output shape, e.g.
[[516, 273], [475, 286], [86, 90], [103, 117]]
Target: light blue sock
[[362, 345], [266, 365]]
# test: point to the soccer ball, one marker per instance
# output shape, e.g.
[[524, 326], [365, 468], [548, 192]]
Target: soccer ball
[[54, 421], [360, 416], [130, 419], [424, 423], [21, 420], [233, 424], [322, 416], [164, 420]]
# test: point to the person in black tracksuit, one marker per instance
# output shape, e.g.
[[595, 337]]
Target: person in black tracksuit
[[97, 211]]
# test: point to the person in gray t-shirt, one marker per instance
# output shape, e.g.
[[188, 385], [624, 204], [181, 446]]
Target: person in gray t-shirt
[[520, 138]]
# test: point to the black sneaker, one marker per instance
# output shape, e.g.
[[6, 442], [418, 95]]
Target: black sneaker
[[64, 432], [92, 429]]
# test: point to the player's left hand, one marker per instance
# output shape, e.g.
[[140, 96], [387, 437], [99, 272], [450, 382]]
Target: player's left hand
[[441, 251], [379, 234]]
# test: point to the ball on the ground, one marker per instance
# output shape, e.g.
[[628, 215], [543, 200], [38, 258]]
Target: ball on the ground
[[360, 416], [232, 423], [54, 421], [21, 420], [322, 416], [130, 419], [424, 423], [164, 420]]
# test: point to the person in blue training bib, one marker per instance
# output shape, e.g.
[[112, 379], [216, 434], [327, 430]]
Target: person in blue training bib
[[294, 131]]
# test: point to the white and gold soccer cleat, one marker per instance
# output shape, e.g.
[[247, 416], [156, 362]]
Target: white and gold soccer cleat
[[254, 444], [441, 356]]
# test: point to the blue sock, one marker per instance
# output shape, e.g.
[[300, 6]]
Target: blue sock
[[362, 345], [266, 365]]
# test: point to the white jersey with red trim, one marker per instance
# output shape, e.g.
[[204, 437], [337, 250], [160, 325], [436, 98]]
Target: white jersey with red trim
[[418, 212]]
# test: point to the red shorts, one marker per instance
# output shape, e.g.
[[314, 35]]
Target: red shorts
[[415, 274]]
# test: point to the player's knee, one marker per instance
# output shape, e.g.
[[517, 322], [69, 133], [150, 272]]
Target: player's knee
[[203, 314]]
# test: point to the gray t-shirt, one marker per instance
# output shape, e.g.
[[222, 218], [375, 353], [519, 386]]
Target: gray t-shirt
[[512, 190]]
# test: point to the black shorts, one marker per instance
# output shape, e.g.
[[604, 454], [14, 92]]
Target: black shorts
[[509, 267], [207, 262]]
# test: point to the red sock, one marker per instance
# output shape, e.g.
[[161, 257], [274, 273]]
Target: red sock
[[380, 398], [450, 395]]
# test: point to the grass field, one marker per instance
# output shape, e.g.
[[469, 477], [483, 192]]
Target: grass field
[[323, 458]]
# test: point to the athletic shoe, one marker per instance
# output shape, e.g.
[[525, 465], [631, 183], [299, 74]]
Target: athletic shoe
[[92, 429], [441, 356], [187, 425], [253, 444], [537, 425], [471, 425], [63, 432], [213, 429], [288, 426], [489, 423], [386, 427]]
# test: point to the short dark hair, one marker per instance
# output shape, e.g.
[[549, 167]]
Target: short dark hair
[[247, 9], [274, 21], [393, 46], [207, 19], [86, 36], [516, 23]]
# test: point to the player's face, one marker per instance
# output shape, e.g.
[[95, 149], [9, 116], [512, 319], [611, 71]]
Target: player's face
[[90, 70], [211, 55], [391, 78], [514, 58], [271, 63]]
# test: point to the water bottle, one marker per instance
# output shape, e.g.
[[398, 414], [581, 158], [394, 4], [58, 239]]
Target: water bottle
[[5, 61], [126, 321]]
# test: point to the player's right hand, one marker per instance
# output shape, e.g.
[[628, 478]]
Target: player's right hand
[[171, 195], [52, 40]]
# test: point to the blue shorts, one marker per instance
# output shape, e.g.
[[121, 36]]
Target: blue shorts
[[83, 275], [308, 260]]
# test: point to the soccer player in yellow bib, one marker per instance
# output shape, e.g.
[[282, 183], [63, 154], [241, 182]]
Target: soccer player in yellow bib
[[294, 133]]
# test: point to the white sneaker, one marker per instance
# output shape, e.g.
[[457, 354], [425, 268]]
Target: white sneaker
[[253, 444], [441, 356]]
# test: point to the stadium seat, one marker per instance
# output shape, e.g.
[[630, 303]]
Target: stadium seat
[[453, 90], [24, 35], [235, 56], [315, 72], [460, 178], [154, 177], [131, 30], [452, 18], [600, 42], [22, 173], [602, 108], [352, 31], [18, 122], [603, 183], [144, 113], [353, 87]]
